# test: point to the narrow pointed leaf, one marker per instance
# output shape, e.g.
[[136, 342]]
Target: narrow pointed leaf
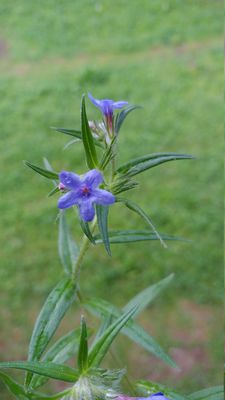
[[51, 370], [61, 351], [140, 164], [148, 388], [68, 250], [13, 386], [77, 134], [122, 115], [86, 230], [137, 209], [131, 236], [88, 142], [82, 358], [102, 217], [44, 172], [55, 307], [134, 331], [101, 347], [213, 393]]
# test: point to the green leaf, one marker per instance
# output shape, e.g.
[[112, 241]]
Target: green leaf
[[82, 358], [148, 388], [213, 393], [55, 307], [102, 217], [68, 250], [102, 345], [143, 163], [88, 142], [51, 370], [108, 154], [137, 209], [122, 115], [130, 236], [61, 351], [135, 332], [86, 230], [44, 172], [13, 386], [76, 133]]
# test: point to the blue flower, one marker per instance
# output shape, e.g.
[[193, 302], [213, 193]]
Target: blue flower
[[107, 106], [84, 192]]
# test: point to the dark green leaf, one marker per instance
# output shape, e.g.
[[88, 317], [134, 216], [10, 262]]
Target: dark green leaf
[[55, 307], [135, 332], [51, 370], [76, 133], [137, 209], [102, 217], [134, 236], [102, 345], [13, 386], [88, 142], [68, 250], [212, 393], [82, 358], [61, 351], [85, 228], [44, 172], [148, 388], [122, 115], [143, 163]]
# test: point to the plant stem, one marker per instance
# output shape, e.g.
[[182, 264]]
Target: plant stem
[[84, 247]]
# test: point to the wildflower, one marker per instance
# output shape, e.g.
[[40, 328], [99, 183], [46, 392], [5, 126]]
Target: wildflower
[[84, 192], [107, 106]]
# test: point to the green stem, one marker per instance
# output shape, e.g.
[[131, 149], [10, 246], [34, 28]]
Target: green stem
[[84, 247]]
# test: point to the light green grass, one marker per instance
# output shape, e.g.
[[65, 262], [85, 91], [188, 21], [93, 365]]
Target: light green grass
[[163, 55]]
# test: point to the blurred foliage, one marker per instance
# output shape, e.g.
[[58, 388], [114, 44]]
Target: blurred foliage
[[163, 55]]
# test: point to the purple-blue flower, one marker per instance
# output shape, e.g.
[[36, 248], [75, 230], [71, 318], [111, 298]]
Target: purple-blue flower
[[107, 106], [156, 396], [83, 191]]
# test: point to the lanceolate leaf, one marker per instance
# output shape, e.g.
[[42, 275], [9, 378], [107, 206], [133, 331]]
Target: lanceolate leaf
[[148, 388], [13, 386], [55, 307], [148, 161], [51, 370], [44, 172], [102, 345], [82, 358], [61, 351], [137, 209], [68, 250], [134, 236], [122, 115], [213, 393], [76, 133], [132, 330], [102, 217], [88, 142]]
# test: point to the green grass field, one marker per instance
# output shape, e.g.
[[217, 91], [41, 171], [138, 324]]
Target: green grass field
[[164, 55]]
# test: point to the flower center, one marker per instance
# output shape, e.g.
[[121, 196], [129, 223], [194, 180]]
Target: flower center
[[85, 191]]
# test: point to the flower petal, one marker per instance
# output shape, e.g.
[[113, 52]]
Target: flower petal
[[68, 200], [87, 211], [103, 197], [92, 178], [119, 104], [70, 180], [96, 102]]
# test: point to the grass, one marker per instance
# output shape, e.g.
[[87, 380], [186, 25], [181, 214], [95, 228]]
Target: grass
[[163, 55]]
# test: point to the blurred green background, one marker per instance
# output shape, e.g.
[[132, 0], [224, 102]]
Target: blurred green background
[[164, 55]]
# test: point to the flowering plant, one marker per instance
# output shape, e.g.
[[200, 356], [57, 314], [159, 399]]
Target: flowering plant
[[93, 194]]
